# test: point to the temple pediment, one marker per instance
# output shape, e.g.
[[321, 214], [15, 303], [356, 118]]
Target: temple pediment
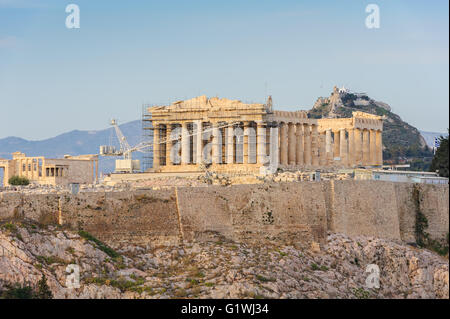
[[210, 104]]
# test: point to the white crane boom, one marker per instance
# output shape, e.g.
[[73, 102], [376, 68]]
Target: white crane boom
[[125, 165], [124, 146]]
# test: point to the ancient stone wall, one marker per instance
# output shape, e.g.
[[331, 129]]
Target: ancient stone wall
[[364, 207], [406, 210], [139, 216], [297, 212], [434, 205], [291, 212]]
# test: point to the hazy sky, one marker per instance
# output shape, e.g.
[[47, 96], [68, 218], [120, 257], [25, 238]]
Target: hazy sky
[[54, 79]]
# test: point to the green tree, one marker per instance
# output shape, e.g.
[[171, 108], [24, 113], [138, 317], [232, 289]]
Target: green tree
[[17, 292], [440, 159], [18, 181], [43, 290]]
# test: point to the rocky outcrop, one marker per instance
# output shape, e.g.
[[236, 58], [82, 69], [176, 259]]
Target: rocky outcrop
[[400, 139], [221, 269]]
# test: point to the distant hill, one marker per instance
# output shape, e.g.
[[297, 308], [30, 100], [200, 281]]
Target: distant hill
[[430, 136], [75, 143], [402, 143]]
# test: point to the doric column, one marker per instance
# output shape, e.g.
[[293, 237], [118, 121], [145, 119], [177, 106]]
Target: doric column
[[168, 144], [366, 148], [314, 145], [291, 144], [274, 148], [322, 149], [199, 140], [32, 169], [261, 143], [230, 144], [252, 133], [307, 139], [373, 147], [379, 143], [328, 147], [283, 144], [156, 152], [358, 146], [299, 142], [96, 170], [216, 145], [337, 144], [246, 144], [351, 147], [185, 145], [343, 148]]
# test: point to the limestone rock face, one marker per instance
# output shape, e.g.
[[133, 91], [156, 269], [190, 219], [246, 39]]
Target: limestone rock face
[[321, 101], [383, 105], [220, 269]]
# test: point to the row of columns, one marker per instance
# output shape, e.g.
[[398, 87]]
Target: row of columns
[[291, 144], [29, 167], [163, 145], [354, 146], [298, 144]]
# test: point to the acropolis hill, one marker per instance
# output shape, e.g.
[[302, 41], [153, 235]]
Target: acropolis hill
[[230, 209]]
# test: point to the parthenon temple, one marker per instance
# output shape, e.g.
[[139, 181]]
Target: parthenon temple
[[228, 135]]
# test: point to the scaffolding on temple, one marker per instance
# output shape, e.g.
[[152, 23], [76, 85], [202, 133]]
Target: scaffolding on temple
[[147, 137]]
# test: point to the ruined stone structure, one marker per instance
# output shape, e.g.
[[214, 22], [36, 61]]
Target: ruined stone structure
[[233, 136], [81, 169]]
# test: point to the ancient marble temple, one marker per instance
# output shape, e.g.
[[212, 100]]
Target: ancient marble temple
[[228, 135]]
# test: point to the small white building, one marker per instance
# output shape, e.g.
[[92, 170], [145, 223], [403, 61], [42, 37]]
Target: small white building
[[408, 177]]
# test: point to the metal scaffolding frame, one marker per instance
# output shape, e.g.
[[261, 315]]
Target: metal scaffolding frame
[[147, 137]]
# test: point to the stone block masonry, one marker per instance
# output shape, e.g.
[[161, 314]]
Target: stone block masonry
[[296, 212], [364, 208], [255, 212]]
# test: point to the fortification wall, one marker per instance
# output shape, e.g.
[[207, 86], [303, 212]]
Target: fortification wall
[[435, 206], [291, 212], [297, 212], [364, 208], [406, 211], [139, 216]]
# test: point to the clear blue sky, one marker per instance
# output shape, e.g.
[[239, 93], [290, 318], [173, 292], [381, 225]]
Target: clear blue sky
[[53, 79]]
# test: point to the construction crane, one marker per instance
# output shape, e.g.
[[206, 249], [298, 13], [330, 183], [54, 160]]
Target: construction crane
[[127, 164], [124, 146]]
